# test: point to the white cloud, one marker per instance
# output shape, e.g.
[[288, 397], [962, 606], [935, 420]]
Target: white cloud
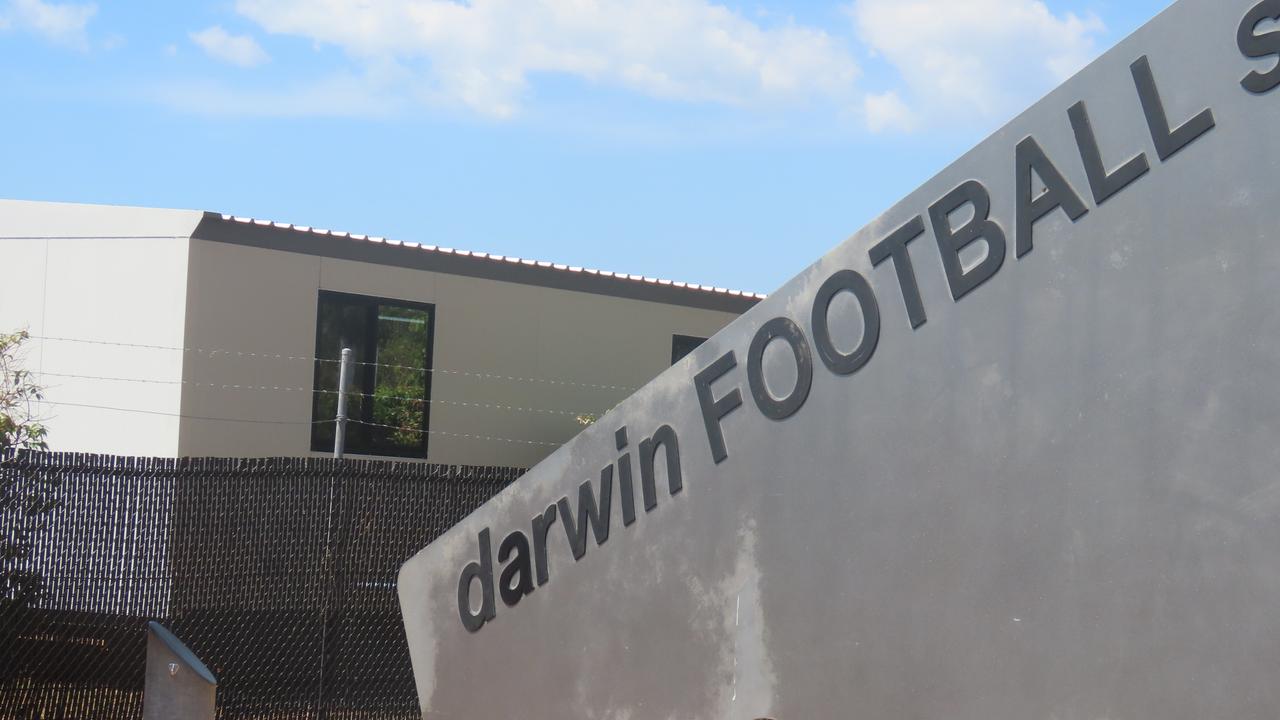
[[61, 23], [983, 58], [481, 55], [887, 111], [239, 50]]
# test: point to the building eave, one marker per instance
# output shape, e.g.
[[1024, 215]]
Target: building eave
[[286, 237]]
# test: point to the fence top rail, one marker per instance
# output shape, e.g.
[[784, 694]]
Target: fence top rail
[[292, 468]]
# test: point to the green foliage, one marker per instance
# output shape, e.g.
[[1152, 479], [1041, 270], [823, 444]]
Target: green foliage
[[19, 427], [24, 505], [397, 395]]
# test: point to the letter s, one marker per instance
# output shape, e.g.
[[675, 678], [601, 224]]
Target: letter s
[[1258, 46]]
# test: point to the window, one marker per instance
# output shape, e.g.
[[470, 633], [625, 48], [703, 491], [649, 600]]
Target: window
[[682, 345], [389, 401]]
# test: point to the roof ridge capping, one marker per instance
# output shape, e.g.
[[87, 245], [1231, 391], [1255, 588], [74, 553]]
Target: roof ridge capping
[[494, 258]]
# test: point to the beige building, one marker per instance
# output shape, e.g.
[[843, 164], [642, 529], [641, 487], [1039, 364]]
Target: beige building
[[182, 333]]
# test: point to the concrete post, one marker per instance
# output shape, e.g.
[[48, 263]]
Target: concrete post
[[178, 685]]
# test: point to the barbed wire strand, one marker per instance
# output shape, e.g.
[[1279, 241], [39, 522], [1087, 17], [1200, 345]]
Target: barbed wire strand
[[303, 358], [419, 431], [282, 388], [187, 417]]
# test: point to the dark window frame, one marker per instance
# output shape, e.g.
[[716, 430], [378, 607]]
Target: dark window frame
[[366, 375], [679, 342]]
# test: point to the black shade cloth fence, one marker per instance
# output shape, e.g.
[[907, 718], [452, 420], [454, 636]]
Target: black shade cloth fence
[[278, 573]]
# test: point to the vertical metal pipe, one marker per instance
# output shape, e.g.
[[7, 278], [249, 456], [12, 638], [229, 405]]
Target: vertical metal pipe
[[344, 383]]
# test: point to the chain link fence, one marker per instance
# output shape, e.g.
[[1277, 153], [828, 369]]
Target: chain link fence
[[278, 573]]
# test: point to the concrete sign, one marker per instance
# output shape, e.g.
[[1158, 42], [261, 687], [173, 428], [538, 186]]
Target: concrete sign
[[1012, 452]]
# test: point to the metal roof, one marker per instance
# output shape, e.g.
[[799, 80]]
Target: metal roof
[[294, 238]]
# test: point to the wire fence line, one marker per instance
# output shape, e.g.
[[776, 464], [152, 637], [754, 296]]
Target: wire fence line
[[577, 418], [349, 393], [278, 573], [182, 416], [313, 359], [446, 433], [420, 431]]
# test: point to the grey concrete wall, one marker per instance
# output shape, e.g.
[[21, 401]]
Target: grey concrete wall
[[1056, 499], [496, 343]]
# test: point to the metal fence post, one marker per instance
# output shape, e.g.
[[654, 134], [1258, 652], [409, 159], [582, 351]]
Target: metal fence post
[[344, 382]]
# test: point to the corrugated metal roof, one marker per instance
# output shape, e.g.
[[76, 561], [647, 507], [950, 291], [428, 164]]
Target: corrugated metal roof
[[507, 259]]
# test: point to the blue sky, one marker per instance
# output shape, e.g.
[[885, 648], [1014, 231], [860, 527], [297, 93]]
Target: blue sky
[[729, 144]]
